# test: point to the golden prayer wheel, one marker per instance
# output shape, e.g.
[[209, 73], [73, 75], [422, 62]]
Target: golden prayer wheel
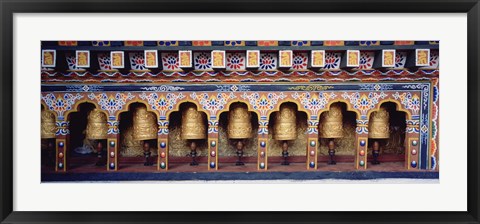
[[49, 128], [285, 127], [331, 123], [239, 122], [378, 126], [97, 127], [193, 126], [145, 125]]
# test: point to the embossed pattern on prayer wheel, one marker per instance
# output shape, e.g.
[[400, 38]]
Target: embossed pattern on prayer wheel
[[49, 128], [331, 123], [97, 127], [285, 127], [193, 125], [145, 125], [239, 122], [379, 126]]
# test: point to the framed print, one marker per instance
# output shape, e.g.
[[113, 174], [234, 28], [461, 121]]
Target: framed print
[[255, 125]]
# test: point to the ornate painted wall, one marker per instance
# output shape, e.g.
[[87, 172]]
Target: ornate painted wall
[[410, 82]]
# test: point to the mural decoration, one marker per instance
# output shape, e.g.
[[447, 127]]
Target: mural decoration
[[61, 103], [213, 103], [235, 61], [162, 103], [409, 101], [111, 103], [364, 101], [186, 72], [314, 102], [268, 62], [137, 61], [202, 61], [170, 61], [263, 103]]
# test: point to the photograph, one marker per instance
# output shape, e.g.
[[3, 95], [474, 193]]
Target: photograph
[[261, 110], [258, 112]]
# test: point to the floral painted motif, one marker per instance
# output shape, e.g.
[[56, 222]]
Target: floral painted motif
[[202, 43], [67, 43], [170, 61], [433, 60], [101, 43], [413, 126], [409, 101], [334, 43], [400, 59], [366, 60], [112, 103], [300, 61], [313, 102], [212, 126], [332, 61], [267, 43], [300, 43], [202, 61], [104, 62], [167, 43], [312, 126], [137, 61], [362, 126], [62, 128], [369, 43], [364, 101], [162, 103], [71, 62], [263, 103], [268, 61], [234, 43], [113, 127], [61, 104], [235, 61], [133, 43], [213, 102], [163, 127]]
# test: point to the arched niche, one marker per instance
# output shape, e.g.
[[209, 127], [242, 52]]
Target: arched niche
[[47, 145], [345, 146], [131, 150], [81, 151], [296, 149], [179, 148], [226, 146], [392, 150]]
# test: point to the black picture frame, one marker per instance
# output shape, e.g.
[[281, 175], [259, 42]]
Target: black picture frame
[[8, 8]]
